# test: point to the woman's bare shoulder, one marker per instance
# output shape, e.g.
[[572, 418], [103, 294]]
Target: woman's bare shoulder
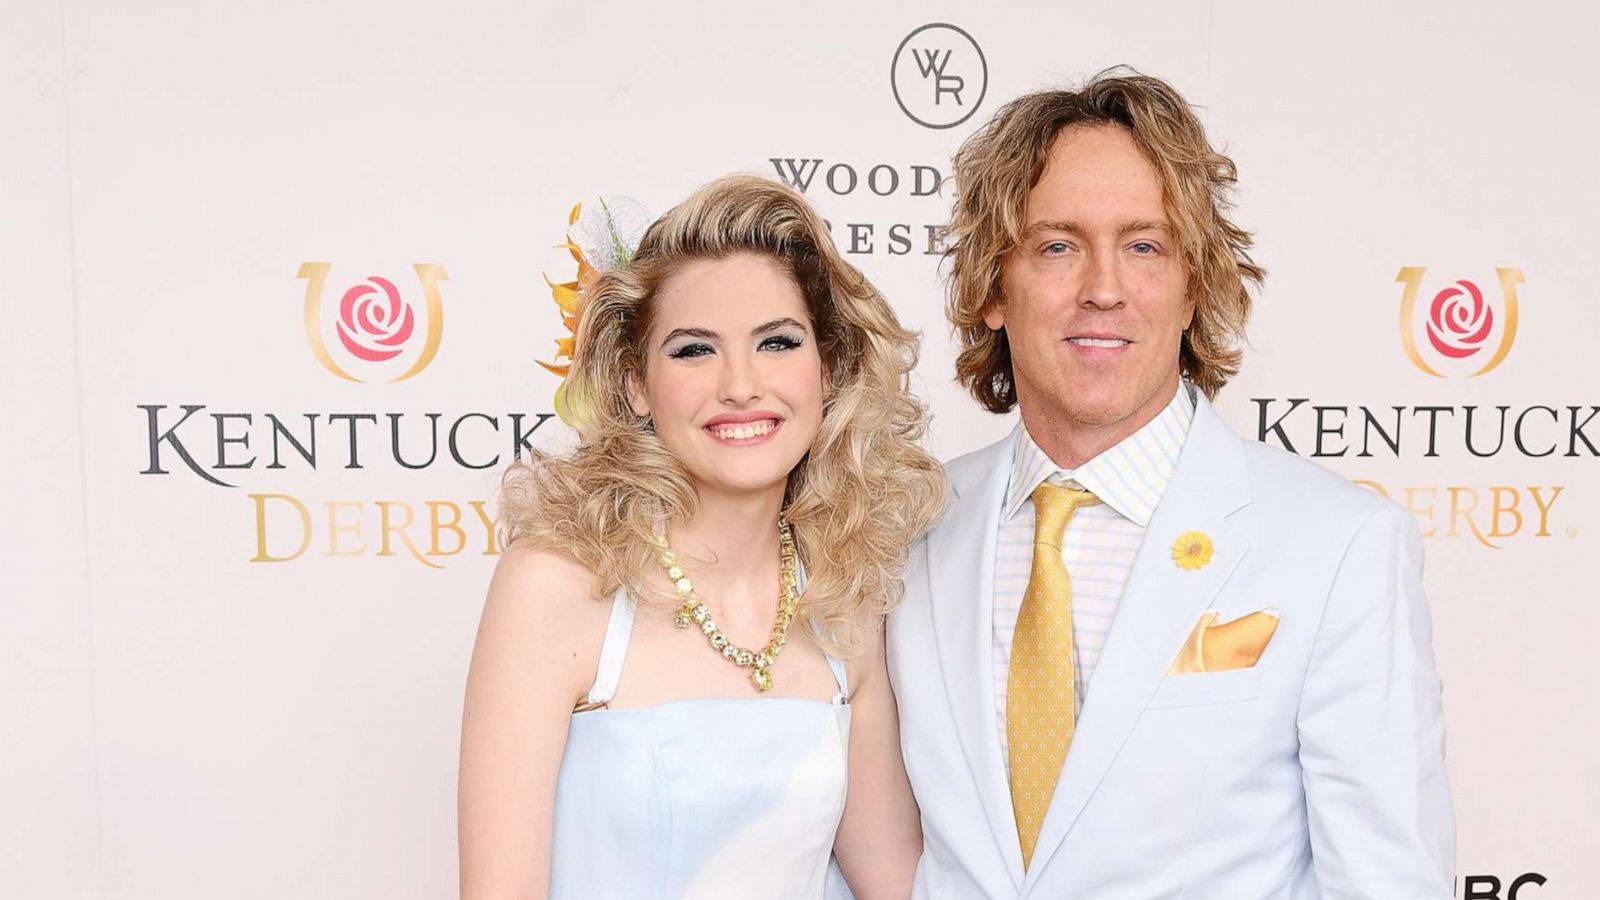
[[545, 604], [547, 577]]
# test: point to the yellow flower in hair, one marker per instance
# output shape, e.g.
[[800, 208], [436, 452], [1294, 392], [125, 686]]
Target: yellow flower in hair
[[1192, 550], [566, 296], [597, 241]]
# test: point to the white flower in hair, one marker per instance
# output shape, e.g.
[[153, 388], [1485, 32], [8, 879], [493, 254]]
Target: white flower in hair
[[608, 232]]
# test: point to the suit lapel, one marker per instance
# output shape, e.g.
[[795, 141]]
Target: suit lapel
[[961, 582], [1158, 609]]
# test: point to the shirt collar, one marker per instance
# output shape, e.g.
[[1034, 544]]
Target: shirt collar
[[1130, 477]]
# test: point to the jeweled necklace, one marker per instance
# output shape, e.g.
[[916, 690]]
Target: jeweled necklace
[[694, 611]]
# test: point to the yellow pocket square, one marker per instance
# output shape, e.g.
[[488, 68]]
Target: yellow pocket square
[[1231, 645]]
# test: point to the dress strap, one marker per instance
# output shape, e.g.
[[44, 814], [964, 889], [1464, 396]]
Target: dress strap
[[612, 653], [837, 665], [833, 662]]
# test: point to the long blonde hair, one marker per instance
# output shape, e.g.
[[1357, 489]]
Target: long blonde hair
[[996, 168], [864, 491]]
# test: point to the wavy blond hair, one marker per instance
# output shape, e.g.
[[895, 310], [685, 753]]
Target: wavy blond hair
[[864, 490], [996, 168]]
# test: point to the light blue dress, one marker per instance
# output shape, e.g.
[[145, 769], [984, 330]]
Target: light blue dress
[[703, 798]]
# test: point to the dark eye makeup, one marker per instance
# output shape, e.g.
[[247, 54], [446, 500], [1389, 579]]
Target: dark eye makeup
[[781, 342], [777, 343], [690, 351]]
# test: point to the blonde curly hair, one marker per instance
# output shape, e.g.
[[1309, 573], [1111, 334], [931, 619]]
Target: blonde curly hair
[[865, 490], [998, 165]]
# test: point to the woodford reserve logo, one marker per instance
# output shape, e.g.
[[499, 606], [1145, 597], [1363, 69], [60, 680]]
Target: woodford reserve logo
[[939, 76], [378, 332], [888, 206], [836, 184], [1461, 332]]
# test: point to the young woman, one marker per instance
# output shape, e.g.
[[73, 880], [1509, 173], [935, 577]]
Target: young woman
[[678, 688]]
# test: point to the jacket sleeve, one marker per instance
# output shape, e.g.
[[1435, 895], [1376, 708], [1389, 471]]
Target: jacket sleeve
[[1371, 727]]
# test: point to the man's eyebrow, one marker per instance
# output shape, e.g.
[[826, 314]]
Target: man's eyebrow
[[1068, 227], [775, 324], [1061, 225], [704, 333], [1133, 227]]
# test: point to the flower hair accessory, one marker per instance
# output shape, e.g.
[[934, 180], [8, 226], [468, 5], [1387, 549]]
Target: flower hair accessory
[[605, 236]]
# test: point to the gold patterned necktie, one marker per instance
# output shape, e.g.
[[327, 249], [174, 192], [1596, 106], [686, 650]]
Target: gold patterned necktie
[[1041, 686]]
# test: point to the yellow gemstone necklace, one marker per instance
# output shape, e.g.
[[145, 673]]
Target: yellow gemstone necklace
[[693, 611]]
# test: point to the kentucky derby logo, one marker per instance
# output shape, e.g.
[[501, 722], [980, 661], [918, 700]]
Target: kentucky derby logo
[[1461, 327], [939, 76], [380, 332]]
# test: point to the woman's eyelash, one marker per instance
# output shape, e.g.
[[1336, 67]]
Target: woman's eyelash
[[689, 351], [782, 342], [696, 350]]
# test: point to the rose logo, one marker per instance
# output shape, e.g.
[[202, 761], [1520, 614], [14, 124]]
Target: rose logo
[[375, 324], [374, 328], [1459, 320]]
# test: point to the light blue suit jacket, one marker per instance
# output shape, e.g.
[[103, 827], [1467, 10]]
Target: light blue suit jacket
[[1316, 774]]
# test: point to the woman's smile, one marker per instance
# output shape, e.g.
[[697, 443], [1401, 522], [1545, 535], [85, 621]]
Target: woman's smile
[[743, 429]]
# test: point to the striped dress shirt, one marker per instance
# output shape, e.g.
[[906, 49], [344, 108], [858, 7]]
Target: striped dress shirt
[[1101, 540]]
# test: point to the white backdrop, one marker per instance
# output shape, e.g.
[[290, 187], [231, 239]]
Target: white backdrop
[[185, 717]]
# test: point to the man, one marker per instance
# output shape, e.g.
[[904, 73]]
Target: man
[[1141, 657]]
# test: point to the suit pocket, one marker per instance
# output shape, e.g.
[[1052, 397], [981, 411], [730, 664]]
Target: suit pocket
[[1208, 688]]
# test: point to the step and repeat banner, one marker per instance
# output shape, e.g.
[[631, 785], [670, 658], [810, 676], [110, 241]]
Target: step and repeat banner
[[276, 302]]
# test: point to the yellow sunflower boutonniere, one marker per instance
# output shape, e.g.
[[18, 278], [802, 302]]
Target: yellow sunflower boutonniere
[[1192, 550]]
